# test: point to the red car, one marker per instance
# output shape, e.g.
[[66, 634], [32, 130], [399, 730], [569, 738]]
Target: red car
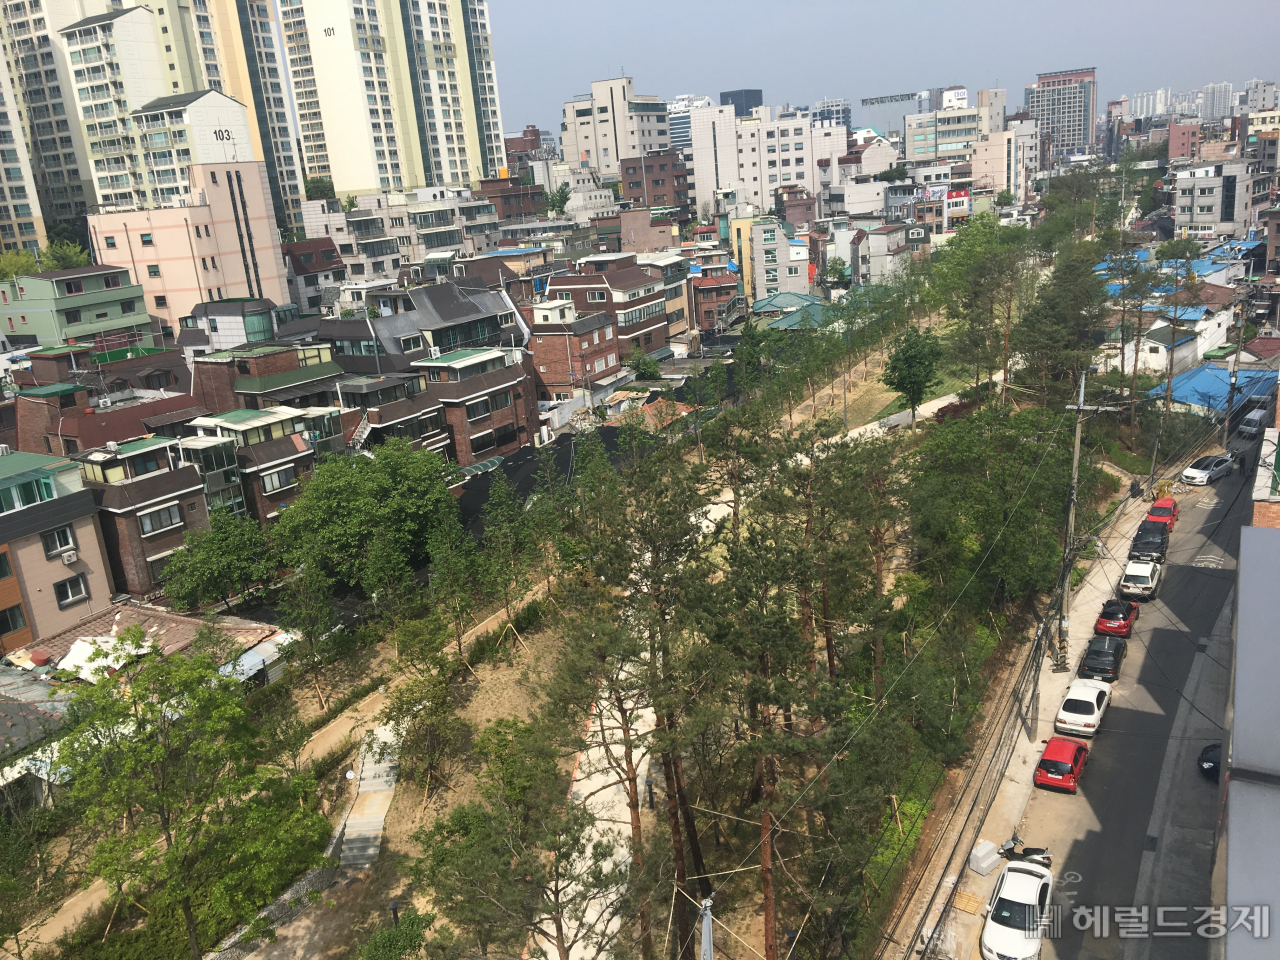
[[1061, 764], [1164, 510], [1117, 618]]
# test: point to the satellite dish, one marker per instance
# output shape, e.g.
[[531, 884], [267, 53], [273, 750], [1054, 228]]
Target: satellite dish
[[351, 774]]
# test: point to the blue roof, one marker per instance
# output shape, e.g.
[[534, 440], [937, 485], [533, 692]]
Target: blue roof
[[1140, 255], [1208, 386], [1186, 313], [1235, 248]]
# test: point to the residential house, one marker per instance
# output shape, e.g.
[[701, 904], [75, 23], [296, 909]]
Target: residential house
[[674, 270], [654, 180], [224, 324], [716, 303], [53, 566], [575, 356], [148, 497], [779, 263], [635, 231], [261, 376], [274, 449], [1220, 200], [616, 284], [312, 267], [887, 252], [221, 242], [513, 199], [98, 305]]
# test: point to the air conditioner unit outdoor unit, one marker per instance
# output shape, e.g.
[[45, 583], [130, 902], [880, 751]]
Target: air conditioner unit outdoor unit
[[112, 445], [104, 402], [69, 557], [433, 353], [5, 450]]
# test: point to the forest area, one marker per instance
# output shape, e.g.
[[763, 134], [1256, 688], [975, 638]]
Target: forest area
[[779, 636]]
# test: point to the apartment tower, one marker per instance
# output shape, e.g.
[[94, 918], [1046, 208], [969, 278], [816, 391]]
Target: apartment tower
[[1065, 103]]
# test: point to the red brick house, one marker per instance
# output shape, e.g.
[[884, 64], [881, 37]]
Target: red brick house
[[712, 298], [512, 198], [572, 353], [617, 285]]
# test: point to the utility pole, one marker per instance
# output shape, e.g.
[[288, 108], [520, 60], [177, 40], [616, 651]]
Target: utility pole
[[1069, 544], [1235, 368]]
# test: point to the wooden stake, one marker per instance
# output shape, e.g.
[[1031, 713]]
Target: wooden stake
[[110, 920], [897, 819]]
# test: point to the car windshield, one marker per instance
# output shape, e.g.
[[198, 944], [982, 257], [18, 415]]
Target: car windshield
[[1204, 463], [1082, 707], [1010, 913], [1115, 609], [1100, 658], [1162, 511], [1055, 766], [1152, 526], [1150, 536], [1136, 579]]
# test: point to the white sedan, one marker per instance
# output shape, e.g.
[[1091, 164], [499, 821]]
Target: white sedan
[[1206, 470], [1081, 712], [1014, 915]]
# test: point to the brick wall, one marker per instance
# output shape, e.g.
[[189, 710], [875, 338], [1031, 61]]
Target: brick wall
[[554, 371], [128, 549], [212, 385], [1266, 514], [523, 412], [280, 362], [37, 418]]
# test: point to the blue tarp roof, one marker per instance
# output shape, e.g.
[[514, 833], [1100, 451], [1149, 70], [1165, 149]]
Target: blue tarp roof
[[1208, 386], [1235, 248], [1142, 256]]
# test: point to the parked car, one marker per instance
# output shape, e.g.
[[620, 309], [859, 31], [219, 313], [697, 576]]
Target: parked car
[[1061, 764], [1151, 542], [1210, 761], [1116, 618], [1012, 928], [1083, 708], [1253, 423], [1206, 470], [1141, 580], [1165, 511], [1102, 658]]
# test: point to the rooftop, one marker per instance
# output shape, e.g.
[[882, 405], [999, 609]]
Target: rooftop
[[458, 358], [89, 271], [17, 463]]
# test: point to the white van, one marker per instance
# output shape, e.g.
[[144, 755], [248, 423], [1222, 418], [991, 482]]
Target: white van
[[1253, 423]]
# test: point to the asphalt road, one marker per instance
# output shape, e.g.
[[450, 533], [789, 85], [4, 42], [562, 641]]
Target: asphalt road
[[1179, 654]]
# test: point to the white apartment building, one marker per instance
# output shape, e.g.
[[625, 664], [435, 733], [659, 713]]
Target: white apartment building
[[1151, 103], [680, 135], [394, 96], [1220, 200], [745, 159], [21, 222], [1218, 101], [779, 264], [1260, 95], [610, 123], [943, 135]]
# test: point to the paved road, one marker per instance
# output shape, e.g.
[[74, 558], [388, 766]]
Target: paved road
[[1141, 829]]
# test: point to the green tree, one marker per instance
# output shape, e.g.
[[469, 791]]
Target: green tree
[[165, 761], [306, 611], [17, 263], [837, 270], [645, 367], [217, 563], [347, 503], [1005, 198], [455, 573], [524, 861], [509, 547], [387, 579], [912, 366], [557, 198], [64, 255], [75, 231], [349, 202], [319, 188]]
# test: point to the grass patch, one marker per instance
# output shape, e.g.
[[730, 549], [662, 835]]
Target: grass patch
[[949, 383], [1134, 463]]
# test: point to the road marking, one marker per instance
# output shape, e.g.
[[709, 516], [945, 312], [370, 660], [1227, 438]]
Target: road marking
[[1209, 502], [1207, 560], [1072, 877]]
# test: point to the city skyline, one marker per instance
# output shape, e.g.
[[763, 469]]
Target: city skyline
[[684, 67]]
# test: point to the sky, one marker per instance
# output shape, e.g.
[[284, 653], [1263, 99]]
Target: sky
[[799, 51]]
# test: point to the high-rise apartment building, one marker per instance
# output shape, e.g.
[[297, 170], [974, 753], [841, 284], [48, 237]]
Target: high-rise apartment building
[[1260, 95], [611, 122], [836, 110], [742, 101], [1065, 103], [395, 96], [1151, 103], [1218, 102], [21, 222]]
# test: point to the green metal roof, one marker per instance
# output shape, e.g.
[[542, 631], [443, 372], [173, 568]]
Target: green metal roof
[[18, 463], [278, 381], [456, 356], [124, 353], [484, 466], [146, 443], [244, 352], [51, 390], [235, 416]]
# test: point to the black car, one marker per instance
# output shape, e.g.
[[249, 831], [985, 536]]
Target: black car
[[1103, 658], [1151, 542], [1210, 761]]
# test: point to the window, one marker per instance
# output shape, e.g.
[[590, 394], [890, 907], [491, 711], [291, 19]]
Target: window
[[110, 242], [480, 408], [72, 287], [502, 400], [6, 571], [483, 442], [164, 302], [71, 591], [156, 567], [793, 271], [409, 344], [72, 316], [12, 619], [271, 482], [57, 542], [595, 296], [126, 306], [153, 270], [162, 519], [111, 282]]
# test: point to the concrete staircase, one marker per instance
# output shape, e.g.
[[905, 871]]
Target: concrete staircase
[[377, 783]]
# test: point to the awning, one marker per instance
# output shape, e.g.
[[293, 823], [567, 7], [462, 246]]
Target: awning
[[174, 416], [249, 663], [662, 353], [484, 466], [303, 390], [440, 256]]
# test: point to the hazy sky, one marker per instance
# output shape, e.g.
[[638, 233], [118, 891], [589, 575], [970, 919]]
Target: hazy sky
[[549, 50]]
